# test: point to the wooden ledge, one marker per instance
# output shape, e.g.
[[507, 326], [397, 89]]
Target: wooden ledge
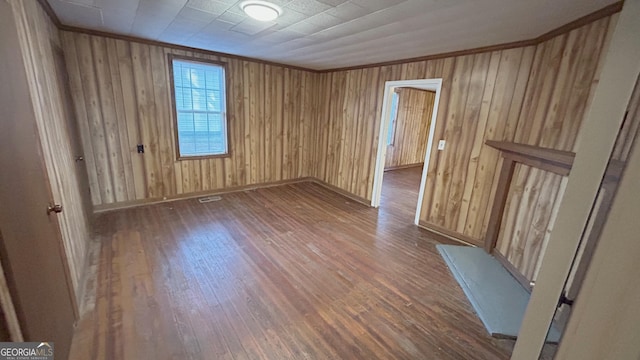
[[557, 161]]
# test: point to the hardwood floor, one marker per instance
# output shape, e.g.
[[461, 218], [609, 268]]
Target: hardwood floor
[[291, 272]]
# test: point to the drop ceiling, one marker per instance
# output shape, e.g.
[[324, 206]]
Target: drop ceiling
[[326, 34]]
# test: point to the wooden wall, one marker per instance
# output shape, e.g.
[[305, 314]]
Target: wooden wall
[[564, 73], [534, 94], [415, 108], [122, 98], [41, 46]]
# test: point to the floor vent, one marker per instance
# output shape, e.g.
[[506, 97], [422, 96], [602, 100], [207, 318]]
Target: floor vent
[[209, 199]]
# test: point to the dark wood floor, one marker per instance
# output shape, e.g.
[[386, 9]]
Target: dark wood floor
[[292, 272]]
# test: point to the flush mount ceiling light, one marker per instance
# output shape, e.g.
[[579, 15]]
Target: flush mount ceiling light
[[261, 10]]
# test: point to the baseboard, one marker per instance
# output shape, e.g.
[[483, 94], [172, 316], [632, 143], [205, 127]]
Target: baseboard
[[143, 202], [449, 234], [342, 192], [407, 166], [130, 204]]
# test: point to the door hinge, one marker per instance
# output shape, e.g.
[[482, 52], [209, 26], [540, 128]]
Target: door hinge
[[564, 300], [54, 208]]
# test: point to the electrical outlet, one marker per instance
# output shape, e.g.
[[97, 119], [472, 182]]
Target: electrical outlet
[[441, 144]]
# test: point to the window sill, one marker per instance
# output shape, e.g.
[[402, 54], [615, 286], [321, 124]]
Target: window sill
[[203, 157]]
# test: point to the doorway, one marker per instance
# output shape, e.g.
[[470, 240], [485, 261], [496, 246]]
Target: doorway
[[390, 134]]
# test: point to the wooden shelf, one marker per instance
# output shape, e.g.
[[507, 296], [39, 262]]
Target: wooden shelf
[[557, 161]]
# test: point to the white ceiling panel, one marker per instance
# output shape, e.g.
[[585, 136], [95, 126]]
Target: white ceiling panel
[[308, 7], [209, 6], [324, 34], [78, 13], [252, 27]]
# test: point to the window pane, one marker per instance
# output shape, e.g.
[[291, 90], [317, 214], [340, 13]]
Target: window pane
[[200, 108], [392, 121], [199, 99], [214, 101]]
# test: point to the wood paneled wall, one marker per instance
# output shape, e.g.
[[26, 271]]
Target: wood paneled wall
[[564, 73], [122, 98], [41, 46], [415, 108], [534, 95]]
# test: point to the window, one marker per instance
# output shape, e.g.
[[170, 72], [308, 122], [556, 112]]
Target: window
[[199, 94], [394, 116]]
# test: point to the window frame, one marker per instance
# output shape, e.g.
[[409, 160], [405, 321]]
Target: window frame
[[224, 65], [394, 118]]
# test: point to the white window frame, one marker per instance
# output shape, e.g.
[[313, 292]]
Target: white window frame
[[225, 120]]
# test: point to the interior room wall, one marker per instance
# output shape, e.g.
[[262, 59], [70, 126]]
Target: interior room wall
[[39, 39], [532, 94], [564, 74], [122, 98], [415, 108]]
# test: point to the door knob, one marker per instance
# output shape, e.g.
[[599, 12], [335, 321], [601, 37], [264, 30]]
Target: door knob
[[54, 208]]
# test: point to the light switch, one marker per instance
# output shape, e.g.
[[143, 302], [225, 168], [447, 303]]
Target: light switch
[[441, 144]]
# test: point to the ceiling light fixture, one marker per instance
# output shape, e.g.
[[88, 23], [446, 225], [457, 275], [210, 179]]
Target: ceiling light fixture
[[261, 10]]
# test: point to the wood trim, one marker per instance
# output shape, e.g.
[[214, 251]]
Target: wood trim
[[143, 202], [562, 158], [50, 13], [614, 170], [130, 204], [589, 18], [179, 47], [174, 109], [513, 271], [598, 14], [414, 88], [537, 163], [407, 166], [451, 235], [342, 192], [434, 235], [499, 203], [482, 49]]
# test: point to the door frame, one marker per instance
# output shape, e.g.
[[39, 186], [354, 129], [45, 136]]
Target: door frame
[[389, 86]]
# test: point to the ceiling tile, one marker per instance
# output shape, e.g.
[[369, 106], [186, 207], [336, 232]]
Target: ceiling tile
[[324, 20], [375, 5], [348, 11], [154, 16], [276, 37], [188, 22], [210, 6], [308, 7], [77, 14], [252, 27], [118, 14], [290, 16], [231, 17], [304, 27], [333, 2]]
